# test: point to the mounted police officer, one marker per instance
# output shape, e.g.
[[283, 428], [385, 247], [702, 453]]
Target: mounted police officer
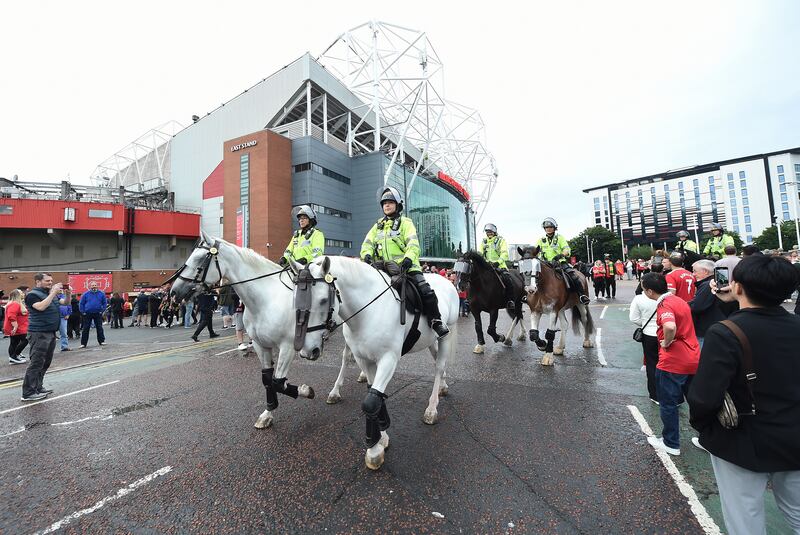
[[394, 238], [308, 242], [555, 249], [494, 250], [685, 244], [719, 240]]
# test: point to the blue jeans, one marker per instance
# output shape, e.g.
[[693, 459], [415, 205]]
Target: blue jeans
[[700, 341], [63, 333], [187, 318], [672, 387]]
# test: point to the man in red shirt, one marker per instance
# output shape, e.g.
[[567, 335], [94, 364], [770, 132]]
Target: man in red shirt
[[680, 281], [678, 356]]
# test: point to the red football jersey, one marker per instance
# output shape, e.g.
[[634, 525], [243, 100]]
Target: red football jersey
[[681, 282]]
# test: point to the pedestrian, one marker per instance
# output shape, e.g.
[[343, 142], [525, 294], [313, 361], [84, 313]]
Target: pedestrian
[[117, 304], [44, 320], [238, 322], [629, 268], [730, 260], [74, 322], [765, 447], [154, 304], [678, 355], [188, 304], [610, 281], [206, 303], [680, 281], [226, 305], [620, 268], [65, 312], [706, 308], [142, 304], [642, 312], [169, 311], [15, 326], [599, 278], [92, 305]]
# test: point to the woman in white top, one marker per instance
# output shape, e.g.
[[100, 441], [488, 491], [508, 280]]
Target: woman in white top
[[642, 308]]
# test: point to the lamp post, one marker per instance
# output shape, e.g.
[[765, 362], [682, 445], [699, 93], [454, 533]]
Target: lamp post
[[796, 210], [593, 242], [780, 237], [588, 254], [622, 240], [694, 228]]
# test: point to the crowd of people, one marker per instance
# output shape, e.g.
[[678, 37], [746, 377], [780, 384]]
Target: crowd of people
[[722, 330]]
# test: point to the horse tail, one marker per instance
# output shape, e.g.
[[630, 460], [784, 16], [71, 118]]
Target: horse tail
[[576, 320], [589, 321]]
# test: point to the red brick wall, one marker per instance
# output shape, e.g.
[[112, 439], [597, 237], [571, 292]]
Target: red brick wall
[[124, 281]]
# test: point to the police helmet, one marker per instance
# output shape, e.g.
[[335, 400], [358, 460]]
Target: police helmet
[[549, 222], [682, 234], [490, 227], [717, 226], [388, 193], [305, 210]]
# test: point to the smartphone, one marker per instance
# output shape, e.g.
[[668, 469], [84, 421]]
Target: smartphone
[[722, 276], [65, 287]]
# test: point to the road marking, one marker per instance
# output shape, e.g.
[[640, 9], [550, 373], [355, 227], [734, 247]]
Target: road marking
[[100, 417], [598, 340], [705, 520], [20, 430], [603, 313], [228, 351], [56, 397], [121, 493]]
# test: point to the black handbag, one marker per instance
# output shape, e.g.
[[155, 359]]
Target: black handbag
[[638, 334], [728, 415]]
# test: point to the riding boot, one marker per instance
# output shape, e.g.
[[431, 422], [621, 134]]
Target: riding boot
[[430, 305], [577, 287], [509, 292]]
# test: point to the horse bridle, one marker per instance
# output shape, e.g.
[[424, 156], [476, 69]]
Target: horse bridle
[[202, 270]]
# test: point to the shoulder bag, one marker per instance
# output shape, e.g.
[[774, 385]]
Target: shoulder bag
[[728, 415], [638, 334]]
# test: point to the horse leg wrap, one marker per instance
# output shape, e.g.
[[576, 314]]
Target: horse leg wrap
[[375, 410], [549, 335], [272, 397], [284, 388], [534, 335]]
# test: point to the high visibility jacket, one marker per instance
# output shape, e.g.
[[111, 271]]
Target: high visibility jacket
[[716, 246], [308, 245], [494, 249], [393, 239], [552, 247], [609, 268], [688, 245], [598, 272]]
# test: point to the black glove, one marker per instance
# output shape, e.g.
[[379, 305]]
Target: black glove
[[283, 261], [368, 259], [303, 261], [406, 264], [495, 264]]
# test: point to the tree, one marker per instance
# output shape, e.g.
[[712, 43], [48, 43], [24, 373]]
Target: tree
[[605, 241], [769, 238], [640, 251]]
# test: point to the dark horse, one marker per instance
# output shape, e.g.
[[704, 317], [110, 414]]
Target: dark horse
[[486, 294]]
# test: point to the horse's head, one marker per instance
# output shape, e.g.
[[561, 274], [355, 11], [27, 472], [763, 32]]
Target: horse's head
[[315, 306], [200, 271], [530, 266]]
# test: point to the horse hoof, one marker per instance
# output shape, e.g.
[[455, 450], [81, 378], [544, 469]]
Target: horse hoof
[[362, 378], [306, 391], [263, 423], [559, 351], [430, 416], [443, 391], [521, 337], [478, 349], [547, 359], [374, 460], [384, 440], [333, 399], [507, 342], [588, 344]]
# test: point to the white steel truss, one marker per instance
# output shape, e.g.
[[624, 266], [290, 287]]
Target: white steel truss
[[143, 163], [398, 74]]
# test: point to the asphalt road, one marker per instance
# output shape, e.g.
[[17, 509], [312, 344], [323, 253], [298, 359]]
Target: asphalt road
[[158, 437]]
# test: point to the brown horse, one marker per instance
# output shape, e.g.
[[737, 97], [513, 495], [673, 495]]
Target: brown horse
[[548, 295]]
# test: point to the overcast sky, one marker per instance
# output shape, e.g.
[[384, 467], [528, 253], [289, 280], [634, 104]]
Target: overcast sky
[[573, 94]]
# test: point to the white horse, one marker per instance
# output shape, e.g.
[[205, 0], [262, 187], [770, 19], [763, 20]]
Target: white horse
[[346, 287], [268, 314]]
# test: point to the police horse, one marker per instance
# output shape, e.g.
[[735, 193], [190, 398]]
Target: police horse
[[266, 290], [548, 296], [368, 306], [485, 293]]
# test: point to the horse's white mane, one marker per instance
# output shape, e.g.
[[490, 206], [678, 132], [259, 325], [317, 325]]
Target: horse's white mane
[[252, 258], [352, 267]]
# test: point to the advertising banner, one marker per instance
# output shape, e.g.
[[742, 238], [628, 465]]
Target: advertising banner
[[79, 282]]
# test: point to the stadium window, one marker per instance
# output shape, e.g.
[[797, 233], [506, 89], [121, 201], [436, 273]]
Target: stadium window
[[784, 197], [680, 185], [341, 244], [781, 178], [783, 187], [711, 180], [785, 205], [730, 177], [45, 252], [743, 183], [736, 228], [786, 216], [797, 168], [745, 201], [101, 214], [696, 183], [780, 169], [79, 251], [748, 228], [5, 209], [744, 192], [749, 239], [741, 174], [18, 251], [747, 219], [736, 221]]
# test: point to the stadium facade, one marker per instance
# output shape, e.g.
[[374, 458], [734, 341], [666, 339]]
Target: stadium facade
[[306, 136], [746, 195]]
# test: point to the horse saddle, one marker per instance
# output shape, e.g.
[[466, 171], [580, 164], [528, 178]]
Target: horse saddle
[[398, 280]]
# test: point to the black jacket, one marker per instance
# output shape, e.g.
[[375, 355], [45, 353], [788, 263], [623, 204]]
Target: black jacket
[[207, 303], [769, 441], [705, 307], [116, 304]]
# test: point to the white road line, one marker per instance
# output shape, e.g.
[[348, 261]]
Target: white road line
[[705, 520], [56, 397], [100, 417], [20, 430], [598, 339], [108, 499], [228, 351], [603, 313]]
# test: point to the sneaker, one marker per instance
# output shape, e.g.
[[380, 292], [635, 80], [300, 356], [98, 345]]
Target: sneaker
[[15, 360], [83, 346], [213, 335], [250, 344], [33, 397], [195, 339], [45, 391], [242, 347], [655, 401], [101, 343], [658, 443], [66, 349], [696, 442]]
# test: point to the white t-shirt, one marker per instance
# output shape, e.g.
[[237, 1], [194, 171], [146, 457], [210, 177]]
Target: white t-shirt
[[642, 307]]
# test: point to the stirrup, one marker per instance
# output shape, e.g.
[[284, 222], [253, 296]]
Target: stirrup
[[440, 328], [585, 299]]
